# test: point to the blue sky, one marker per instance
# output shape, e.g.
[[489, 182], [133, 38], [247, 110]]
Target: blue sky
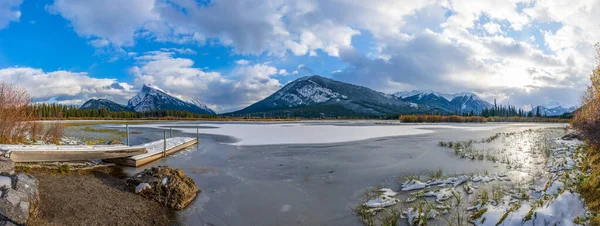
[[229, 53]]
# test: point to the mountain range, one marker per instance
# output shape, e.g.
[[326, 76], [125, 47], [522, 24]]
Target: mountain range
[[554, 109], [104, 103], [152, 98], [457, 103], [316, 96]]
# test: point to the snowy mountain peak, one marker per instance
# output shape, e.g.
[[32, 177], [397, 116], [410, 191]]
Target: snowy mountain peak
[[552, 105], [154, 98], [422, 93], [314, 95], [553, 109], [464, 102]]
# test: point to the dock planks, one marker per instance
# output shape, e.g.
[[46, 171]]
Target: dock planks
[[137, 161]]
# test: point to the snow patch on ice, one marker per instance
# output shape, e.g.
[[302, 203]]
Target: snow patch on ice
[[413, 185]]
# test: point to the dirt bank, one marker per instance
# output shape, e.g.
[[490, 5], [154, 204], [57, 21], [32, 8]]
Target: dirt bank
[[96, 197]]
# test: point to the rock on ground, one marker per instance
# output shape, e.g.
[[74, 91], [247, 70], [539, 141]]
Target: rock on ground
[[170, 187], [7, 166], [572, 136], [19, 196], [29, 185], [14, 205]]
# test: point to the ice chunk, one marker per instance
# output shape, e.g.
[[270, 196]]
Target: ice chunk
[[387, 192], [413, 185], [381, 201], [141, 187]]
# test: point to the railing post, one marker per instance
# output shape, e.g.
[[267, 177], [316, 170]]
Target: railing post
[[127, 130], [197, 135], [165, 143], [170, 131]]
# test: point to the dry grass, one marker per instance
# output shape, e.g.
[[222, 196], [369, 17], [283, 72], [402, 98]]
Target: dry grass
[[587, 122]]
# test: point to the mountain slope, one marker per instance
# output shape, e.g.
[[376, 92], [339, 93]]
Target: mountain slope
[[103, 103], [554, 109], [153, 98], [316, 95], [449, 103]]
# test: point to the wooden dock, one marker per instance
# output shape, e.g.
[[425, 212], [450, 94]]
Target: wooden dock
[[73, 153], [153, 154]]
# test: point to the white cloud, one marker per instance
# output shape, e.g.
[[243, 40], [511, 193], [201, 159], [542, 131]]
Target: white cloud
[[437, 44], [65, 86], [113, 20], [245, 85], [9, 12], [492, 28], [242, 62]]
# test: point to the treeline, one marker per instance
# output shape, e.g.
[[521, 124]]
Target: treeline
[[61, 111], [510, 111], [475, 119]]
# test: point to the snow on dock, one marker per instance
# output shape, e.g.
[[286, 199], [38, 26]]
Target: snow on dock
[[156, 150]]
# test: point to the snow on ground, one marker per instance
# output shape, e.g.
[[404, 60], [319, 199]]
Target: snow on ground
[[297, 133], [158, 146]]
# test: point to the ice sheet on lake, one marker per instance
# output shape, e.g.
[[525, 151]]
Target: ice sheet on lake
[[300, 133]]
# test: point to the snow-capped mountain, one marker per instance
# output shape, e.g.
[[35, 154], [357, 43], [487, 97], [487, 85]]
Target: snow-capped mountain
[[103, 103], [464, 102], [316, 95], [554, 109], [153, 98]]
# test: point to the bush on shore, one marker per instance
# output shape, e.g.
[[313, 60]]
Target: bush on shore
[[18, 123], [474, 119], [587, 122], [15, 121]]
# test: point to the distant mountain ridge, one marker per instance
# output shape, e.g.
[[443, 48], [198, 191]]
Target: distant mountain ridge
[[104, 103], [457, 103], [554, 109], [316, 95], [152, 98]]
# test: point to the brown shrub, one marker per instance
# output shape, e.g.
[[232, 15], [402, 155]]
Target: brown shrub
[[587, 119], [55, 132], [15, 117]]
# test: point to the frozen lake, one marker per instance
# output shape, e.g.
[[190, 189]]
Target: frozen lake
[[308, 173]]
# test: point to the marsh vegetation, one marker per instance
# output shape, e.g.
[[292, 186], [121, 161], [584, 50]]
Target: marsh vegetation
[[540, 172]]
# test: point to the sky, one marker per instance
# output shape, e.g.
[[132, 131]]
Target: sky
[[229, 54]]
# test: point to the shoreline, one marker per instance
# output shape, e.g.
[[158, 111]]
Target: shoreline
[[93, 197]]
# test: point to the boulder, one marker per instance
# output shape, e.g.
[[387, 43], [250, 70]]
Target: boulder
[[168, 186], [6, 223], [7, 166], [14, 205], [571, 136], [29, 185]]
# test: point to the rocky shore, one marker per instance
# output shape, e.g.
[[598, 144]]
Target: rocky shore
[[19, 199]]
